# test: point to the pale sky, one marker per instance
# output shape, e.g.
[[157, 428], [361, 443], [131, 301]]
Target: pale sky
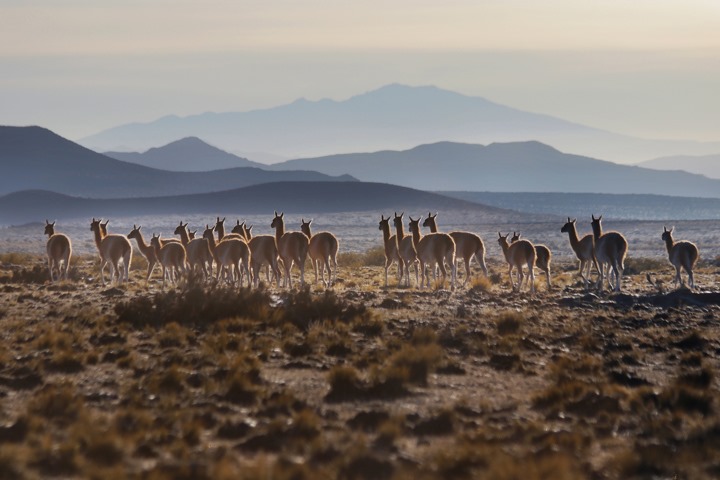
[[643, 67]]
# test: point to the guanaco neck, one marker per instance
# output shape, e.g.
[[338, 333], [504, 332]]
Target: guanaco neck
[[669, 243], [184, 236], [399, 231], [220, 228], [98, 236], [386, 231], [306, 230], [155, 246], [574, 240], [279, 229], [211, 243], [505, 248], [144, 247], [416, 235]]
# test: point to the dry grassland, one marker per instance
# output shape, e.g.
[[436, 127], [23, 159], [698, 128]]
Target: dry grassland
[[360, 382]]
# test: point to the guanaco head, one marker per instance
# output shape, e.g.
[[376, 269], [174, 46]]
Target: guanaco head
[[414, 224], [596, 225], [515, 237], [49, 228], [239, 228], [397, 221], [180, 228], [135, 232], [155, 241], [384, 223], [305, 227], [278, 220], [503, 241], [209, 232], [103, 227], [667, 234], [220, 224], [95, 226], [430, 220], [568, 226], [191, 235]]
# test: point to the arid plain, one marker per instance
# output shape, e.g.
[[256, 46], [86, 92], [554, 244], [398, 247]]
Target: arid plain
[[361, 381]]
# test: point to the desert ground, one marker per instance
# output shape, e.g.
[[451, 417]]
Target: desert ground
[[361, 381]]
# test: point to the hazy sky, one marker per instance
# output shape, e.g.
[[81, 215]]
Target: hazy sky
[[642, 67]]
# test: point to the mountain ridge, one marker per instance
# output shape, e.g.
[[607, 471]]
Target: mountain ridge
[[390, 117], [708, 165], [37, 158], [188, 154], [529, 166]]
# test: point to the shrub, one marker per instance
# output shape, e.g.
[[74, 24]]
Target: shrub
[[302, 310], [57, 402], [509, 323], [194, 304]]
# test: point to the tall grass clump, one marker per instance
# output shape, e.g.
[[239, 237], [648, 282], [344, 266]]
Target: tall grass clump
[[194, 304], [302, 310]]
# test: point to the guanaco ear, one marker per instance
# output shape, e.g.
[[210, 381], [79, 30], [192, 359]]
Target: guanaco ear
[[574, 220], [672, 228], [600, 217], [500, 235], [249, 228], [282, 214], [382, 217], [429, 214], [194, 232], [46, 222], [593, 217], [55, 221], [106, 223], [434, 215], [664, 228], [310, 221], [207, 227]]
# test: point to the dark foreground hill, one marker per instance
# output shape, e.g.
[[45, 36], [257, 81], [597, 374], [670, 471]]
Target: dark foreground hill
[[34, 158], [505, 167], [291, 197]]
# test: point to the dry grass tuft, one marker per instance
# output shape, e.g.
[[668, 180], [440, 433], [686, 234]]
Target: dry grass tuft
[[509, 323]]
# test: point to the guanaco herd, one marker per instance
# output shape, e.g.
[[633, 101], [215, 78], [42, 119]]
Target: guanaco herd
[[239, 255]]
